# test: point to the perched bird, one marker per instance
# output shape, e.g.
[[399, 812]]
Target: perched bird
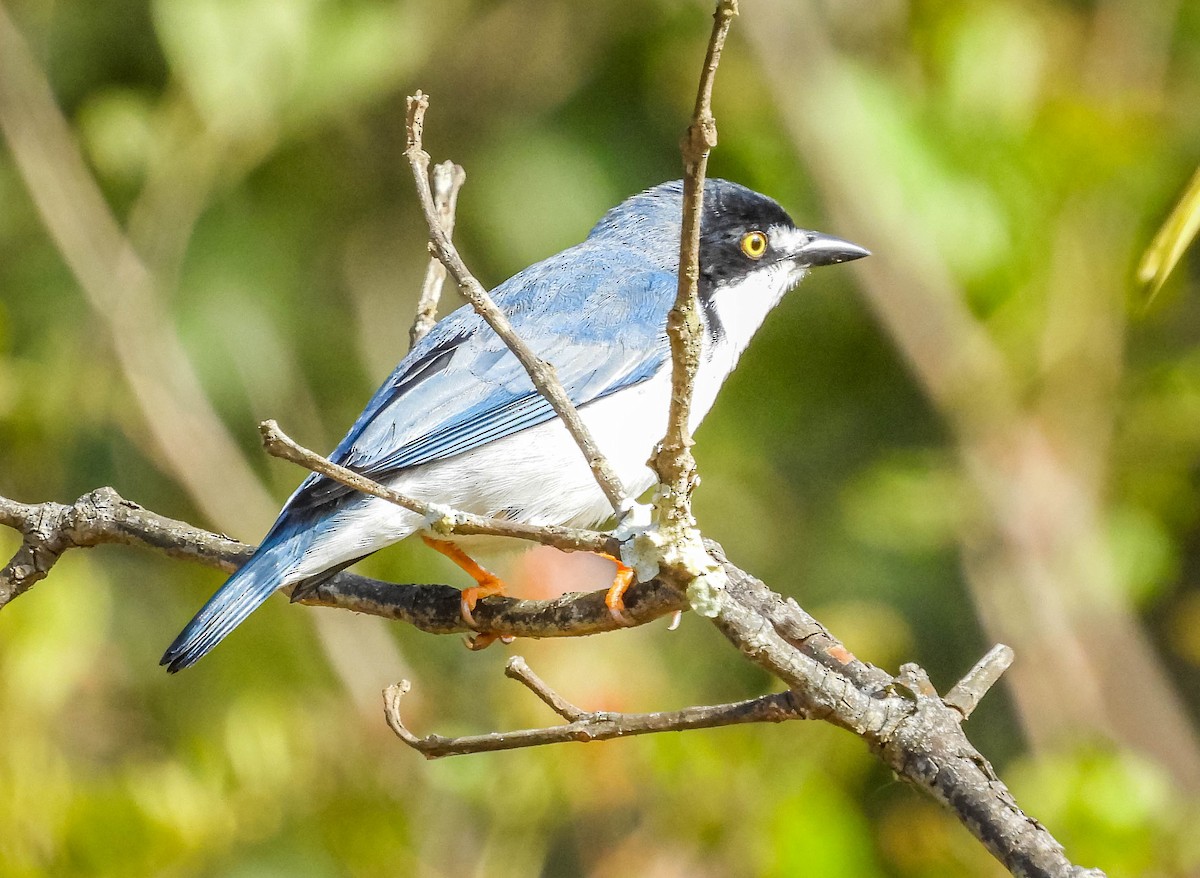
[[459, 422]]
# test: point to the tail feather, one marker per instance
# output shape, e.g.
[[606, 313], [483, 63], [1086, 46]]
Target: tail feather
[[242, 594]]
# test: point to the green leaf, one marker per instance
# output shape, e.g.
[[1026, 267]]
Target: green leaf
[[1172, 239]]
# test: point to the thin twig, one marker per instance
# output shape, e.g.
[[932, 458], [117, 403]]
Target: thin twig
[[448, 178], [586, 726], [966, 694], [440, 520], [518, 669], [673, 459], [541, 373]]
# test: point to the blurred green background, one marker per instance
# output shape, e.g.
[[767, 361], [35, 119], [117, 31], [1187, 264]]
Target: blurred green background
[[980, 434]]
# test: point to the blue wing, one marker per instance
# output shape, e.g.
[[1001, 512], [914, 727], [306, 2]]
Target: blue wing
[[461, 387]]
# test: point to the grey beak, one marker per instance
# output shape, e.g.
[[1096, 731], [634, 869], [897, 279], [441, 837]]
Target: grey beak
[[828, 250]]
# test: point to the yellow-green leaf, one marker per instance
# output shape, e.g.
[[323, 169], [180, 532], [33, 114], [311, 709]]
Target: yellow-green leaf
[[1172, 239]]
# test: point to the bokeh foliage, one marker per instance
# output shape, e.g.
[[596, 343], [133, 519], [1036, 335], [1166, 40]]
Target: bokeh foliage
[[1018, 154]]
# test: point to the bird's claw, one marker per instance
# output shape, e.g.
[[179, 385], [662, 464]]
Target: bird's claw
[[615, 599], [488, 585], [480, 640]]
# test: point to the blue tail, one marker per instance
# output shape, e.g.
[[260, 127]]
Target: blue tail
[[240, 596]]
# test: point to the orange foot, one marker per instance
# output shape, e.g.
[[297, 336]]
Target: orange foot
[[615, 599], [486, 583]]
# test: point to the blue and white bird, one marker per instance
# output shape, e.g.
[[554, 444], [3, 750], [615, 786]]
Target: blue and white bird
[[459, 422]]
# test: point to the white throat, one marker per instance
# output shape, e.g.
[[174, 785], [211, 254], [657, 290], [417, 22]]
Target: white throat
[[740, 309]]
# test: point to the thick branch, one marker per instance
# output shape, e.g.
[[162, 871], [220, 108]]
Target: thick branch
[[436, 608], [103, 516], [541, 373], [916, 734]]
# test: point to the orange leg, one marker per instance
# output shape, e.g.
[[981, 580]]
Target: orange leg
[[485, 583], [615, 599]]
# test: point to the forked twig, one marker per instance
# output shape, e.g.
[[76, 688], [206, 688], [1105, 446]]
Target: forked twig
[[582, 725], [447, 179], [540, 372]]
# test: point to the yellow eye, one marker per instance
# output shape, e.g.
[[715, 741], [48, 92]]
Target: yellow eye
[[754, 244]]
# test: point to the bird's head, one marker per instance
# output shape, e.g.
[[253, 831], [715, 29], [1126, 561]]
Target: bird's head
[[751, 252], [743, 235]]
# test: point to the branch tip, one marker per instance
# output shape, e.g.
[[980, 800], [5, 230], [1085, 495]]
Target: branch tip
[[966, 694], [417, 105], [446, 179], [391, 712]]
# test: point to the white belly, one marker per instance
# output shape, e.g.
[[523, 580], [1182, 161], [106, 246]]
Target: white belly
[[537, 476]]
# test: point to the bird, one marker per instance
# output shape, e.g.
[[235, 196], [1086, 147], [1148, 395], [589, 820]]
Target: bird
[[459, 422]]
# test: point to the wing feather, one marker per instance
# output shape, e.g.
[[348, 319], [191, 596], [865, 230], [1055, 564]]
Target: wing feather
[[461, 387]]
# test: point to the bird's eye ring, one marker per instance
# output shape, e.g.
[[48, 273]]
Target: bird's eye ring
[[754, 244]]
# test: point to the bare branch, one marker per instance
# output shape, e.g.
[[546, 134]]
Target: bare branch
[[969, 691], [448, 178], [915, 733], [440, 520], [540, 372], [585, 726], [104, 517], [673, 459], [435, 609]]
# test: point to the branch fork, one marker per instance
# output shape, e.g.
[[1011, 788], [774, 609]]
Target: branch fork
[[582, 725]]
